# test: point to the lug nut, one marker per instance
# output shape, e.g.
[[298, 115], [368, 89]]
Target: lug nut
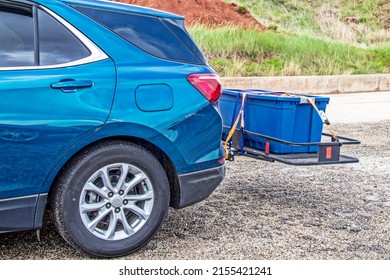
[[108, 205], [117, 210], [121, 192], [125, 202], [110, 194]]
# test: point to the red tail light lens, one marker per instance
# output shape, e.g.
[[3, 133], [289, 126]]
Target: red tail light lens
[[208, 84]]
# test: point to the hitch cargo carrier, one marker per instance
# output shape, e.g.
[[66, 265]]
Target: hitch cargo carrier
[[280, 126]]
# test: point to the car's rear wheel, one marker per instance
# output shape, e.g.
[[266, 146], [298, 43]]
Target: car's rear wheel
[[111, 199]]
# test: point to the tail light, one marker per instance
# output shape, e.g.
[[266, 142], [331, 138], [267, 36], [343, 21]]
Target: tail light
[[207, 84]]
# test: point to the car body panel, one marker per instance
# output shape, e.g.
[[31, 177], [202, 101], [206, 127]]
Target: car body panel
[[39, 123], [43, 126], [136, 68], [120, 7]]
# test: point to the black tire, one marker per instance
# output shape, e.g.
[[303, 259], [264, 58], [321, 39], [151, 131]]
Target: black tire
[[82, 186]]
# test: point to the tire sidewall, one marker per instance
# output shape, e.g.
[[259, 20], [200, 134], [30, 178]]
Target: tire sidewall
[[85, 168]]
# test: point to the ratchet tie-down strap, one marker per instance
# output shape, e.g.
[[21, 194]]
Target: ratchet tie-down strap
[[320, 113], [232, 130], [323, 117]]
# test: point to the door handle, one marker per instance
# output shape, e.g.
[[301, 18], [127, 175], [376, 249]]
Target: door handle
[[70, 86]]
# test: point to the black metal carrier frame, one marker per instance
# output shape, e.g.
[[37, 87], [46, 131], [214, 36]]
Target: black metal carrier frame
[[328, 152]]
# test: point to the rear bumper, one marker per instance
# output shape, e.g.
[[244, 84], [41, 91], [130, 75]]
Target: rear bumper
[[197, 186]]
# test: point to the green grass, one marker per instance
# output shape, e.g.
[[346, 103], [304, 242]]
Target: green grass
[[306, 37], [232, 51], [325, 18], [286, 15]]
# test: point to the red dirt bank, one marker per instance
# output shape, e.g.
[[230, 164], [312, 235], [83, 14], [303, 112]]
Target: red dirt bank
[[208, 12]]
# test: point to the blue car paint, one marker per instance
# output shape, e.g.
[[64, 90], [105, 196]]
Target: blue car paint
[[135, 68], [39, 123], [161, 93], [189, 135], [120, 7]]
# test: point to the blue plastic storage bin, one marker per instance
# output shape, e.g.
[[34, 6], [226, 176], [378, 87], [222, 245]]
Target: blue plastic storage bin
[[282, 117]]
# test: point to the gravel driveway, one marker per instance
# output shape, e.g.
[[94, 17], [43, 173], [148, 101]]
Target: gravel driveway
[[268, 211]]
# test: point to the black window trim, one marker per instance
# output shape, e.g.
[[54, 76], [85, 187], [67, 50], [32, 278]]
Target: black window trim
[[96, 53], [36, 41], [23, 6]]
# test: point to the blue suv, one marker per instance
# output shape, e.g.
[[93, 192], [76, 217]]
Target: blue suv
[[108, 116]]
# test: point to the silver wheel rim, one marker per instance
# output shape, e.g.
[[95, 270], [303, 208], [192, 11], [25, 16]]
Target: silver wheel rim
[[116, 201]]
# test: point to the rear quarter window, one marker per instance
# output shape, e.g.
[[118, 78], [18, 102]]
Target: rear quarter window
[[148, 33], [56, 43]]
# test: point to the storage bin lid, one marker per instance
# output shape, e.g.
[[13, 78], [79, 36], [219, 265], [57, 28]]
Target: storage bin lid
[[274, 95]]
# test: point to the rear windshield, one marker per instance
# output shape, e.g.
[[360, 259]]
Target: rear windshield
[[163, 38]]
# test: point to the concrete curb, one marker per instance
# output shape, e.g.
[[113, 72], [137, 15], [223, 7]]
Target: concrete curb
[[313, 84]]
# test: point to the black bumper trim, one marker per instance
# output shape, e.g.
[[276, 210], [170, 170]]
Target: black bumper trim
[[197, 186], [22, 213]]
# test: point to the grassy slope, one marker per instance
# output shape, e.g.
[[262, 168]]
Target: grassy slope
[[324, 18], [310, 39]]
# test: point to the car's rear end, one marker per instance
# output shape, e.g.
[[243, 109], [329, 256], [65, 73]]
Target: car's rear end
[[165, 83]]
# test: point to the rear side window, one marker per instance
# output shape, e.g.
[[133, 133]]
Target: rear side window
[[147, 33], [31, 37], [16, 38]]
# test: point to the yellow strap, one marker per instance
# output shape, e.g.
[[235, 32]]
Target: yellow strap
[[312, 102], [233, 128]]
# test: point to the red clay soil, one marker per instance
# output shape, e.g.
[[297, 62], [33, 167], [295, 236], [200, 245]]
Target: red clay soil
[[208, 12]]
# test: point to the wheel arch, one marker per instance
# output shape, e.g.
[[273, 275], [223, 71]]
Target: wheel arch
[[160, 155]]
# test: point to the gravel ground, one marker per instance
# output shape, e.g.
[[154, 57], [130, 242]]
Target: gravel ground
[[268, 211]]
